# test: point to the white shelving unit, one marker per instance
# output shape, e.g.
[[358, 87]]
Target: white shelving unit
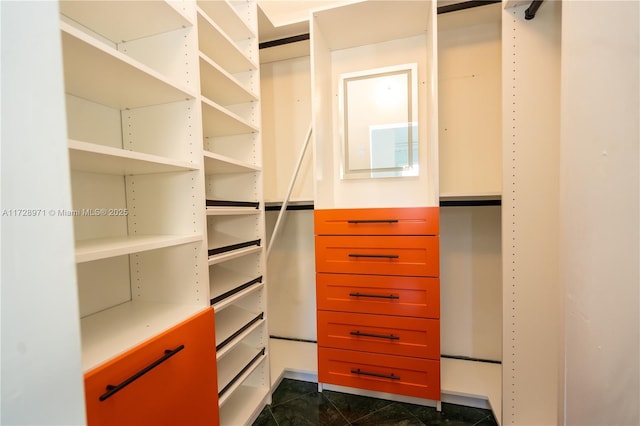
[[231, 122], [136, 170]]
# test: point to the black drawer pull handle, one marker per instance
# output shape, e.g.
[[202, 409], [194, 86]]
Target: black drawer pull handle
[[376, 296], [384, 376], [111, 389], [379, 256], [380, 336], [373, 221]]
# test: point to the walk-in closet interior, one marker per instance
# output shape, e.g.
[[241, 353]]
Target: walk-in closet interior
[[426, 202]]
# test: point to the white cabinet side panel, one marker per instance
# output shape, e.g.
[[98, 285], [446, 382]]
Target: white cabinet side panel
[[531, 293], [41, 366], [600, 212]]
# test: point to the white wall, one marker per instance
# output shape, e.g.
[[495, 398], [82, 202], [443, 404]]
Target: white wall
[[600, 196], [41, 369], [286, 116]]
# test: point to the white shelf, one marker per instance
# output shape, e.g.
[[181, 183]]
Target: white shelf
[[214, 43], [229, 367], [223, 11], [219, 164], [369, 22], [94, 158], [224, 280], [220, 86], [245, 404], [231, 211], [102, 248], [111, 332], [218, 121], [219, 258], [125, 20], [97, 72], [221, 240], [228, 322]]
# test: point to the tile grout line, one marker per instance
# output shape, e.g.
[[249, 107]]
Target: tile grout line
[[272, 416], [334, 406], [483, 419], [413, 415]]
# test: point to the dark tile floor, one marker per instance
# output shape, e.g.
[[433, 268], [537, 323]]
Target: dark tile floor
[[296, 403]]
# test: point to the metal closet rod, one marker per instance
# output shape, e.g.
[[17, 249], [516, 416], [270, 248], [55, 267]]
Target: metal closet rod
[[465, 5], [530, 13]]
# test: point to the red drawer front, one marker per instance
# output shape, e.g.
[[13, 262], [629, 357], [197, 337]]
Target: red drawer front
[[386, 295], [405, 336], [380, 221], [382, 373], [182, 390], [379, 255]]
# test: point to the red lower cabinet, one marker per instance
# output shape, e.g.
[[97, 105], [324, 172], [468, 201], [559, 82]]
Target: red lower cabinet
[[169, 380], [378, 293]]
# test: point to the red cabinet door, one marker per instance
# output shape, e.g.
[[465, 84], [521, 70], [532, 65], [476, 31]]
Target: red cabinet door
[[169, 380]]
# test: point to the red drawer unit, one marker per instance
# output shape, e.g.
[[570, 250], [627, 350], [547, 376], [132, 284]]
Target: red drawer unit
[[169, 380], [375, 294], [378, 298], [383, 373], [406, 336], [383, 221], [379, 255]]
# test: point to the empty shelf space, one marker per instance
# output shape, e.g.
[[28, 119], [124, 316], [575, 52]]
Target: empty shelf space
[[238, 406], [231, 211], [220, 86], [232, 324], [242, 360], [125, 20], [94, 158], [111, 332], [99, 73], [220, 48], [102, 248], [218, 121], [234, 26], [226, 286], [216, 164]]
